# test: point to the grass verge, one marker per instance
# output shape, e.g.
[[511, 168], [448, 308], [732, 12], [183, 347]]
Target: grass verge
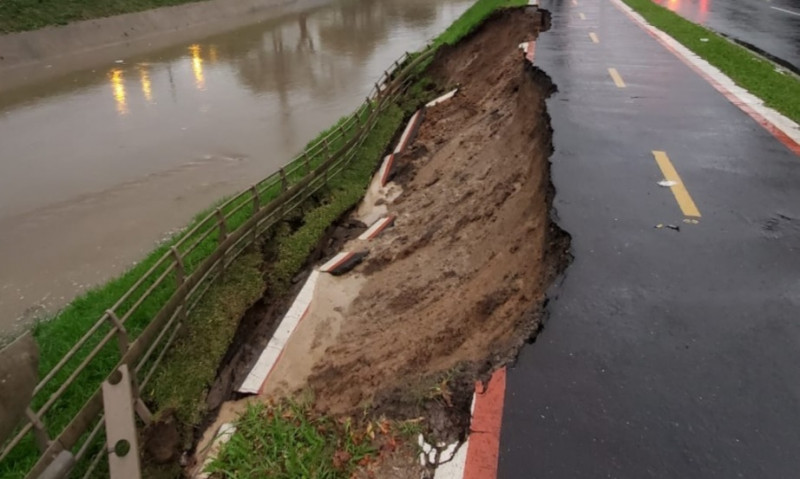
[[289, 440], [21, 15], [778, 90], [191, 364]]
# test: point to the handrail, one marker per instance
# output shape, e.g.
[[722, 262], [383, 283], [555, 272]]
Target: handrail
[[190, 286]]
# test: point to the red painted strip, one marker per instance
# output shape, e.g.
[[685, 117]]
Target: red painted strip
[[765, 123], [411, 127], [530, 50], [389, 220], [280, 355], [483, 448], [387, 170], [341, 262]]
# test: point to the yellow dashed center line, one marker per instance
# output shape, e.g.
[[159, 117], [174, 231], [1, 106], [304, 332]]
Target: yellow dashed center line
[[616, 77], [583, 17], [682, 196], [594, 38]]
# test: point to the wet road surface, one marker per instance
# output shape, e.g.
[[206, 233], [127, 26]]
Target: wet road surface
[[771, 26], [97, 166], [666, 353]]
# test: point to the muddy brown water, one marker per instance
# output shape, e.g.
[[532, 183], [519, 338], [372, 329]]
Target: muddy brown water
[[97, 166]]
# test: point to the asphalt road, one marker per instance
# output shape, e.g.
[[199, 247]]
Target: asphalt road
[[667, 353], [770, 26]]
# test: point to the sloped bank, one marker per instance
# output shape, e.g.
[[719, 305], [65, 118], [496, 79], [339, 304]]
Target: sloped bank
[[457, 285]]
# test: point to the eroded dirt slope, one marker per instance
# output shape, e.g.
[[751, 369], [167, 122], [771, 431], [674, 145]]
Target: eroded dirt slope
[[462, 275]]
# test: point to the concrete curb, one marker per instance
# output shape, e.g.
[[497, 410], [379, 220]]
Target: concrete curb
[[386, 169], [224, 434], [271, 354], [343, 262], [410, 131], [442, 98], [377, 227]]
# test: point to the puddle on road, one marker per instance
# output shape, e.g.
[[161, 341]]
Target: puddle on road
[[97, 165]]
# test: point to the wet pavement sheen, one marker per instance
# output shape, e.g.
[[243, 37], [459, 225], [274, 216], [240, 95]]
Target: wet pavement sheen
[[771, 26], [97, 166], [666, 353]]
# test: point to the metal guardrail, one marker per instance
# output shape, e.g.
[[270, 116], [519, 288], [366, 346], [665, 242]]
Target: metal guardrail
[[190, 272]]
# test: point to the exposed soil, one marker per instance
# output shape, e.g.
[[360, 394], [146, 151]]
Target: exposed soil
[[461, 278], [458, 285]]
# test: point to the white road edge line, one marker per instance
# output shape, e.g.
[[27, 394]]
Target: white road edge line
[[270, 354], [790, 12], [782, 123]]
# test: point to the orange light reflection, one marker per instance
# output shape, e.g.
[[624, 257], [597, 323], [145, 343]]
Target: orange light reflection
[[197, 67], [118, 90]]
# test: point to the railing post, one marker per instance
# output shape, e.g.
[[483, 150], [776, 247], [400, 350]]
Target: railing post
[[256, 208], [39, 431], [223, 235], [223, 226], [256, 198], [180, 277], [122, 333], [121, 437], [284, 181]]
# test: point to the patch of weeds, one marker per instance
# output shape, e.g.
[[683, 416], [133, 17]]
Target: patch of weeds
[[290, 440]]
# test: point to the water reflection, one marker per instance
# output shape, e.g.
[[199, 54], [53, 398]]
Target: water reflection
[[695, 10], [118, 90], [144, 78], [197, 67]]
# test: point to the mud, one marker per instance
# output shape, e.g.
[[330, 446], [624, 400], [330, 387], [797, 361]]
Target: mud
[[458, 284], [462, 276]]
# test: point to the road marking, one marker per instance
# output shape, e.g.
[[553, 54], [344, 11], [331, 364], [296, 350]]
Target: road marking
[[782, 128], [616, 77], [682, 196], [790, 12], [594, 38]]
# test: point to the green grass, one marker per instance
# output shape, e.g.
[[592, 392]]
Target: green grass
[[190, 366], [290, 440], [21, 15], [471, 18], [758, 76]]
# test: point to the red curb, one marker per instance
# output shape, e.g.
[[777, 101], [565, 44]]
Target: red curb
[[388, 170], [530, 50], [385, 225], [766, 124], [483, 449]]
